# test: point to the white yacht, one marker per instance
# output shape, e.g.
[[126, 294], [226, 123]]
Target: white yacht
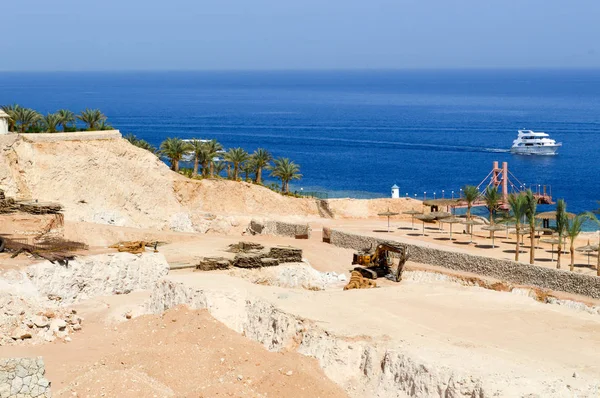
[[529, 142]]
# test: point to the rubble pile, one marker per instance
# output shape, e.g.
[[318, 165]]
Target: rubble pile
[[243, 247], [213, 263], [25, 318], [286, 254], [251, 255]]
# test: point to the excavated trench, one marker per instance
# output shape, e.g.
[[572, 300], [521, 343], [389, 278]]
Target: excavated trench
[[365, 366]]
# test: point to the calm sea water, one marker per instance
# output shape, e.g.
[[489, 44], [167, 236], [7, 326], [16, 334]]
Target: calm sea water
[[357, 133]]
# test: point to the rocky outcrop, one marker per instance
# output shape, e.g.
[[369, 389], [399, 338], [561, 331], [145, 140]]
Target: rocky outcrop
[[103, 274], [23, 378]]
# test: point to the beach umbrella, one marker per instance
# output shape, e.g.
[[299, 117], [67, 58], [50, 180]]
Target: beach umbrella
[[471, 223], [521, 234], [552, 241], [412, 214], [451, 220], [423, 218], [492, 229], [440, 215], [551, 215], [587, 249], [388, 214]]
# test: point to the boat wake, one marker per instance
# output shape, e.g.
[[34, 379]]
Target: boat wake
[[349, 141]]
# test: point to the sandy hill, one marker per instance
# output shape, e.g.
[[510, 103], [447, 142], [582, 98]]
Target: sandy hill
[[102, 178]]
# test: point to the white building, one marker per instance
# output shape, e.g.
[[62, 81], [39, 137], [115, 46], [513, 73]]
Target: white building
[[3, 122], [395, 191]]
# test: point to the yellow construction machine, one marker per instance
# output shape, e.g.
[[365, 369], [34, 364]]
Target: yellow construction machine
[[381, 261]]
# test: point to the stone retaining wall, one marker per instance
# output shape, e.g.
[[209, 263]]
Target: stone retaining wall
[[506, 270], [23, 377], [279, 228], [74, 136]]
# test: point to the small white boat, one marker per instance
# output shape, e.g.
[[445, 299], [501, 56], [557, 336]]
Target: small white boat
[[529, 142]]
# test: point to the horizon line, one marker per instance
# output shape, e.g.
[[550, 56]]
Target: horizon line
[[274, 70]]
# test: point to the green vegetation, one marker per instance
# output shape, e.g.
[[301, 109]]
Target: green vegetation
[[562, 222], [26, 120], [140, 143], [206, 160], [286, 171], [261, 158], [593, 216], [174, 149], [573, 230], [471, 193], [492, 201], [518, 207], [236, 156], [530, 208]]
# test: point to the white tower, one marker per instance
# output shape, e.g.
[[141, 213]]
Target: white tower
[[395, 191], [3, 122]]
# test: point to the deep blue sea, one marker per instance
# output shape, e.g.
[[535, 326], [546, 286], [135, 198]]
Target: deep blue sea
[[356, 133]]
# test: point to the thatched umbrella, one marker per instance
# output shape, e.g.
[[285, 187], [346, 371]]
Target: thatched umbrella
[[552, 241], [551, 215], [412, 213], [587, 249], [440, 215], [424, 217], [471, 223], [388, 214], [492, 229], [521, 234], [451, 220]]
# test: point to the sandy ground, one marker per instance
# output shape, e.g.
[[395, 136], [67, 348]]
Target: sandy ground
[[181, 353], [466, 328]]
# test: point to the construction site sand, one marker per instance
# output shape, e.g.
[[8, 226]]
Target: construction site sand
[[181, 353], [508, 340]]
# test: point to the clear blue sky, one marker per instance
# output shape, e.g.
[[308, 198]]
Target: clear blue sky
[[298, 34]]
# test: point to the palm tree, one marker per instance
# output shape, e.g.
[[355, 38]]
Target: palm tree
[[26, 118], [51, 122], [174, 149], [91, 117], [66, 117], [237, 156], [12, 112], [530, 208], [140, 143], [593, 217], [286, 171], [471, 193], [197, 148], [573, 230], [103, 126], [518, 207], [217, 168], [213, 147], [562, 222], [492, 201], [261, 158]]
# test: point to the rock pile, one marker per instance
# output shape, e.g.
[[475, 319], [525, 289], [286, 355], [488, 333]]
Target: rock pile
[[213, 263], [243, 247], [48, 326], [35, 320], [252, 255], [23, 377]]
